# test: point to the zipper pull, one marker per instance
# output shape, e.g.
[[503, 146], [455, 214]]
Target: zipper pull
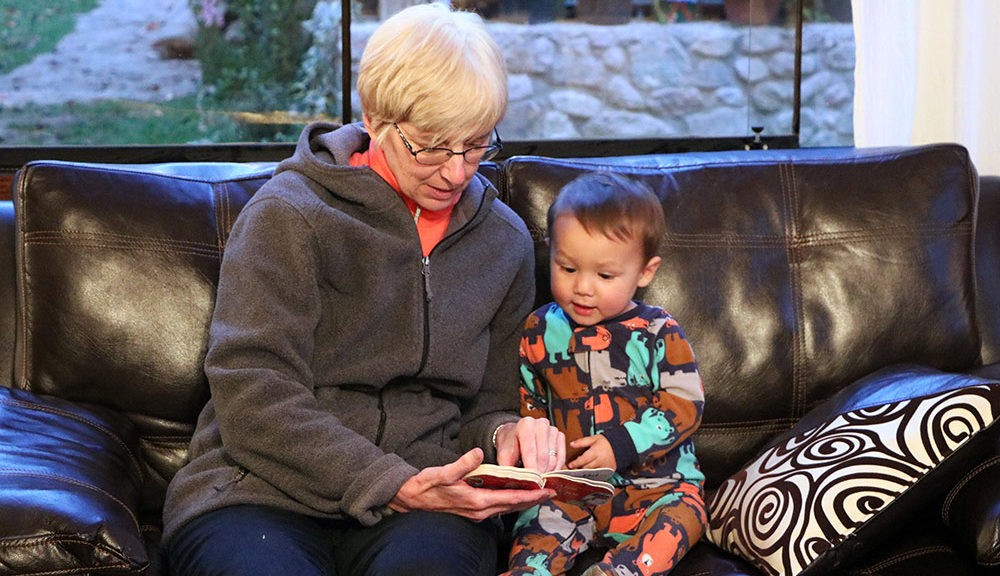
[[425, 269]]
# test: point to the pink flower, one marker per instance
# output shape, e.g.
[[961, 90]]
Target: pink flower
[[213, 12]]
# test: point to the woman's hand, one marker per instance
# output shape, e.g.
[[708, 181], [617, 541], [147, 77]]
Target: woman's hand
[[533, 442], [597, 453], [441, 489]]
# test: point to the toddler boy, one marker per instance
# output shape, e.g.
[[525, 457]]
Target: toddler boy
[[619, 379]]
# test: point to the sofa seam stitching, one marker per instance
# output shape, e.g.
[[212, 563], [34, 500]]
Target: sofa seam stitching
[[893, 560], [953, 493], [790, 209], [67, 414], [97, 240], [107, 236], [818, 239], [68, 480]]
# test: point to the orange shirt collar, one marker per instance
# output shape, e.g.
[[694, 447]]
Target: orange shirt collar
[[374, 158], [431, 225]]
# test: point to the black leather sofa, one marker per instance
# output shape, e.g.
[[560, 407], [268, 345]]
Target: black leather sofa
[[812, 283]]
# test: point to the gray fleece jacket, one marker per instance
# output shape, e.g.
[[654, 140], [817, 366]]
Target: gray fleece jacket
[[340, 361]]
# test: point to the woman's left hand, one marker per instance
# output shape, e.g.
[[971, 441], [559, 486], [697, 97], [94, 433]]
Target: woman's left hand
[[534, 442], [442, 489]]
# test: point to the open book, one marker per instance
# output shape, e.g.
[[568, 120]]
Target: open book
[[586, 486]]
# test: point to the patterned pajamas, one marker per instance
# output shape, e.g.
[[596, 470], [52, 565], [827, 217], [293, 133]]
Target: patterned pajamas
[[646, 541], [634, 379]]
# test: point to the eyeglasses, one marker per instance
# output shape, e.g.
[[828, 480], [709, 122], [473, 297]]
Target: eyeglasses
[[438, 156]]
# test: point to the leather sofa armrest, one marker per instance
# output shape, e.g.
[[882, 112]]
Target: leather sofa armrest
[[971, 511], [990, 371], [69, 488]]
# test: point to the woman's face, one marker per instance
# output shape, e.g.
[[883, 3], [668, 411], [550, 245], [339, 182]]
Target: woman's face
[[431, 187]]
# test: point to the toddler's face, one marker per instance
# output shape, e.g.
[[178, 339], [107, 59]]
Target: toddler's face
[[594, 277]]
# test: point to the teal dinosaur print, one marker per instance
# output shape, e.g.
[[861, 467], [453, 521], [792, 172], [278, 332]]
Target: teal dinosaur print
[[526, 517], [557, 333], [652, 429], [638, 355], [537, 562], [665, 500], [660, 354], [528, 380], [688, 466]]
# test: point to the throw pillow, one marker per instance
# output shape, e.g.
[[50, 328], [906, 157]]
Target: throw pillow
[[815, 497], [69, 488]]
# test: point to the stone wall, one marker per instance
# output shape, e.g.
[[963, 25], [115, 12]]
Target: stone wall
[[574, 80]]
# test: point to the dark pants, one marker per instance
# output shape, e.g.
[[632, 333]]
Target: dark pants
[[261, 541]]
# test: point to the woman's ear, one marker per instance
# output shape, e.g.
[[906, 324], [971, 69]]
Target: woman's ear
[[372, 127], [648, 271]]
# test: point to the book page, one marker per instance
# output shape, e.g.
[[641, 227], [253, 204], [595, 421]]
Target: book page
[[587, 473]]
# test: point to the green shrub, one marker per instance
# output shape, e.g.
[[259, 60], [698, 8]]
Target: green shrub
[[250, 50]]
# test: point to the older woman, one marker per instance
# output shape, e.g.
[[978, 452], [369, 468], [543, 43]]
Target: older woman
[[363, 353]]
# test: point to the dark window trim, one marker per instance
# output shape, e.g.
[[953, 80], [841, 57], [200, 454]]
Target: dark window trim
[[13, 157]]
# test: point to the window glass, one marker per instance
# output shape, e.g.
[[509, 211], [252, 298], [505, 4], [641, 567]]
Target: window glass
[[827, 92], [96, 72]]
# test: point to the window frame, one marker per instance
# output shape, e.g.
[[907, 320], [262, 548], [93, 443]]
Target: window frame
[[13, 157]]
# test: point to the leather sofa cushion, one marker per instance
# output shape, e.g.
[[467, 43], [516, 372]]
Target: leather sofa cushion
[[69, 488], [853, 469], [117, 268], [794, 273]]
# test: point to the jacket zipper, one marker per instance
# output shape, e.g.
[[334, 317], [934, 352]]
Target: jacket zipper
[[381, 418], [425, 271], [238, 475]]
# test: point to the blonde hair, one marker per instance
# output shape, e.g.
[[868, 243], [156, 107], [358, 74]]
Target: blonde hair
[[435, 68]]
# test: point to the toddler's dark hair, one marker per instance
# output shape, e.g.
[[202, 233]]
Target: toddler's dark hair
[[616, 206]]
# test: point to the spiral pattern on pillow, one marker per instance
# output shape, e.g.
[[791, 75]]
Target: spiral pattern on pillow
[[799, 499]]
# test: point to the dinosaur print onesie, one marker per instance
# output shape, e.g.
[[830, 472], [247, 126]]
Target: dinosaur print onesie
[[634, 379]]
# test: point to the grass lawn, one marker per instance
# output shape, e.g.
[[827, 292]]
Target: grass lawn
[[124, 122], [32, 27]]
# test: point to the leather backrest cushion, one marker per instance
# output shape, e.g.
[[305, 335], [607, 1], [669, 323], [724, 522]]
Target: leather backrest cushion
[[794, 273], [116, 280]]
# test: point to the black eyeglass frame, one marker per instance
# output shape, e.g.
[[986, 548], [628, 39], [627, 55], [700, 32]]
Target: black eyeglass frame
[[490, 151]]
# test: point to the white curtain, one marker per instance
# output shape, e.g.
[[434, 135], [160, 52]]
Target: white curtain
[[929, 71]]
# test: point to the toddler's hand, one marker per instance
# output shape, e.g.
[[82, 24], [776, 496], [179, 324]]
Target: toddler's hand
[[597, 453]]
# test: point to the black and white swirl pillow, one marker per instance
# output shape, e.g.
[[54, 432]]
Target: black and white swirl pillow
[[812, 490]]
